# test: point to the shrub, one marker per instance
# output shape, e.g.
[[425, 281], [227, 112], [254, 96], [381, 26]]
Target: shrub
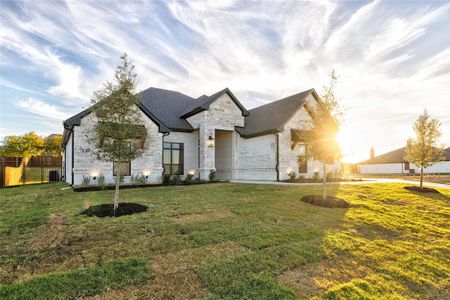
[[316, 176], [175, 179], [166, 179], [330, 176], [86, 180], [138, 179], [212, 175], [301, 178], [189, 178], [101, 181], [292, 175], [143, 179]]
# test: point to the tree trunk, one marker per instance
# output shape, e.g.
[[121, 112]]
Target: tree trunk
[[116, 194], [324, 180], [421, 177]]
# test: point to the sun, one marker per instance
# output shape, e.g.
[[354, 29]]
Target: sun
[[344, 138], [352, 143]]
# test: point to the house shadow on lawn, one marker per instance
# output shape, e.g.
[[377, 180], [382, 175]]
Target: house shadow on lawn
[[107, 210]]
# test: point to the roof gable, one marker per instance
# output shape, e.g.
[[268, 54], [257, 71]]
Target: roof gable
[[202, 103], [271, 117]]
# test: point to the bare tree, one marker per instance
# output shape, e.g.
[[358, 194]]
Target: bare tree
[[330, 100]]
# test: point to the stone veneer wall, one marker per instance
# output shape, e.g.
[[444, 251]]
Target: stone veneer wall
[[256, 158], [223, 114], [288, 156], [86, 164]]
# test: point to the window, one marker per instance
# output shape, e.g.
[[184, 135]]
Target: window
[[406, 166], [303, 162], [173, 158], [125, 169]]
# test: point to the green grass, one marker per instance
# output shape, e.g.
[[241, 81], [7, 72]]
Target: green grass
[[232, 241], [80, 282]]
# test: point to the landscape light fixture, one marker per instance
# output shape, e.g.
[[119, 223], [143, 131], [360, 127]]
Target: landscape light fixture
[[210, 141]]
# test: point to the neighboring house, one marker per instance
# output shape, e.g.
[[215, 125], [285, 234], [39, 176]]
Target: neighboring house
[[394, 163], [188, 135]]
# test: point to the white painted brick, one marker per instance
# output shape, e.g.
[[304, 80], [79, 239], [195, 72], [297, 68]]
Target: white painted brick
[[86, 164]]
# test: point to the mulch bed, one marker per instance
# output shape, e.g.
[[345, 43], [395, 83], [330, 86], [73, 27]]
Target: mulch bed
[[107, 210], [329, 201], [415, 188]]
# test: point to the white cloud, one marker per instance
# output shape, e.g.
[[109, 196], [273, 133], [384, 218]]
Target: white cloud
[[262, 50], [41, 108]]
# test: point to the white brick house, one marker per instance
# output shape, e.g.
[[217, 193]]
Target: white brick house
[[196, 136]]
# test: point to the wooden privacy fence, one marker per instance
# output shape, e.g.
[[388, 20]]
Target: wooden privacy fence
[[38, 169]]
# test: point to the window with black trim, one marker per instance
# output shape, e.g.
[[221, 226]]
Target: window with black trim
[[406, 166], [125, 168], [173, 158], [303, 162]]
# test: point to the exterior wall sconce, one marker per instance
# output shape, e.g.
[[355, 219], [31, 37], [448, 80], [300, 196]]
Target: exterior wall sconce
[[94, 175], [210, 141], [146, 173]]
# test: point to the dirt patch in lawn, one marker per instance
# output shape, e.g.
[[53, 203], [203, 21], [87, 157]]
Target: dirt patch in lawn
[[207, 215], [49, 235], [328, 201], [414, 188], [107, 210], [194, 257], [312, 279], [181, 285]]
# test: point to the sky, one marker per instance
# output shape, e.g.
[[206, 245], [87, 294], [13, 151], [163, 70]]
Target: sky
[[392, 58]]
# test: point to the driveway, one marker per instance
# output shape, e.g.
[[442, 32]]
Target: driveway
[[366, 181]]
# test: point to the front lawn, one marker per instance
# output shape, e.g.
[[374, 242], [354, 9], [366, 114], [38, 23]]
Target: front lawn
[[231, 241]]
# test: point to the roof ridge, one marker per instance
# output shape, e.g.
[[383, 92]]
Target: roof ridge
[[282, 99], [166, 90]]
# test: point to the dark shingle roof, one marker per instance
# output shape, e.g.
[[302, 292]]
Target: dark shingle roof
[[271, 117], [167, 106], [396, 156], [170, 108]]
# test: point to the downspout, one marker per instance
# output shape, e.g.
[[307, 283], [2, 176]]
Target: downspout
[[73, 152], [277, 165], [162, 152], [65, 163]]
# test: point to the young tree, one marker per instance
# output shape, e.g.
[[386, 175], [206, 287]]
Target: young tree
[[119, 134], [52, 144], [422, 150], [323, 144], [25, 146], [330, 100]]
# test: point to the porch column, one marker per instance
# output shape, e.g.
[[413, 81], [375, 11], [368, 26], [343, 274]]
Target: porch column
[[207, 162]]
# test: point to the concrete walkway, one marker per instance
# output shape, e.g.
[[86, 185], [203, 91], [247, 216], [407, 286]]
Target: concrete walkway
[[366, 181]]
